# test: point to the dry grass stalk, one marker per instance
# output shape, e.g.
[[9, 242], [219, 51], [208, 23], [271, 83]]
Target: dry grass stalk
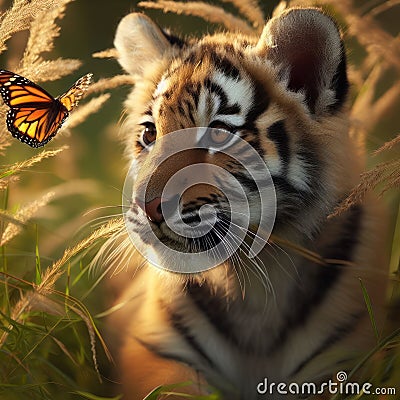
[[86, 109], [111, 83], [250, 9], [21, 166], [20, 16], [5, 137], [5, 182], [39, 299], [39, 16], [387, 173], [210, 13], [55, 271], [368, 32], [306, 253], [17, 310], [385, 105], [51, 70], [280, 8], [7, 217], [42, 32], [22, 216], [109, 53], [365, 98], [388, 145], [386, 5]]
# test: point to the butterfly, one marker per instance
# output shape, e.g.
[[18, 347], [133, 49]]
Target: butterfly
[[35, 116]]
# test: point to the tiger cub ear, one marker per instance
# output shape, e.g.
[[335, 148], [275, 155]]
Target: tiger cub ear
[[139, 40], [306, 45]]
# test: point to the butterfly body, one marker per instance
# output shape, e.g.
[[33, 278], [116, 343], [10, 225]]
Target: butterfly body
[[35, 116]]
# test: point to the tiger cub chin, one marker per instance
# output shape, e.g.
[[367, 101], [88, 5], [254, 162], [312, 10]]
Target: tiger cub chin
[[278, 315]]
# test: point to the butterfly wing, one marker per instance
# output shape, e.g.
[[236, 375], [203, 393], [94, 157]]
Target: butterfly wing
[[35, 116], [36, 126], [18, 91], [71, 98]]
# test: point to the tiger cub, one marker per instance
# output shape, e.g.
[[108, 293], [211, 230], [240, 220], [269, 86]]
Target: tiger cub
[[279, 315]]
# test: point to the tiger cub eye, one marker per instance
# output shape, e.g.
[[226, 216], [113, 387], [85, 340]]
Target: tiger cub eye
[[149, 134], [219, 136]]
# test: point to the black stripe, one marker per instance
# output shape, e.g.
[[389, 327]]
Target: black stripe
[[227, 68], [292, 194], [218, 57], [213, 306], [193, 90], [224, 108], [247, 181], [292, 202], [340, 83], [216, 89], [206, 199], [183, 330], [261, 103], [168, 94], [174, 40], [228, 110], [189, 219], [305, 299], [163, 354], [190, 111], [277, 133], [338, 333], [343, 248]]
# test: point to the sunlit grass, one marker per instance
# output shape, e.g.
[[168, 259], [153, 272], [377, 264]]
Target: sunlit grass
[[51, 309]]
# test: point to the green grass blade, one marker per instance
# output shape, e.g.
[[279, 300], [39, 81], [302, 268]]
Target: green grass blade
[[38, 276], [367, 300], [395, 254], [92, 396]]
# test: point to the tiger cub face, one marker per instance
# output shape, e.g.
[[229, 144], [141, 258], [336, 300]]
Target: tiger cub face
[[283, 93]]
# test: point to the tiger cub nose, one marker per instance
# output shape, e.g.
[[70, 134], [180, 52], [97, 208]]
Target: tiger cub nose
[[155, 212], [152, 209]]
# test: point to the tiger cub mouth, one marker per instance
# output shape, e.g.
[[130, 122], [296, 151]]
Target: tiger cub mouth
[[192, 231]]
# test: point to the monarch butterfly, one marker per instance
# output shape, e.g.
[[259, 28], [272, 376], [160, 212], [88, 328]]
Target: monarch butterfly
[[35, 116]]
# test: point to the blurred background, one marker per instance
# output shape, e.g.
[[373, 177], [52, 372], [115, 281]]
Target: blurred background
[[87, 179], [95, 151]]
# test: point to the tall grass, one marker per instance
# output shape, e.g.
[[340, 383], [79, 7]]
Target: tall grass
[[50, 344]]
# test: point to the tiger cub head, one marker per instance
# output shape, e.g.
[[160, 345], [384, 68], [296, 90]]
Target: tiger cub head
[[283, 93]]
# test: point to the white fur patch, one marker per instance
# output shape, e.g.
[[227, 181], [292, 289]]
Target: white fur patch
[[297, 173], [238, 91]]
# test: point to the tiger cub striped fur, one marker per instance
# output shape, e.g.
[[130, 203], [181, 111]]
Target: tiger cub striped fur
[[279, 316]]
